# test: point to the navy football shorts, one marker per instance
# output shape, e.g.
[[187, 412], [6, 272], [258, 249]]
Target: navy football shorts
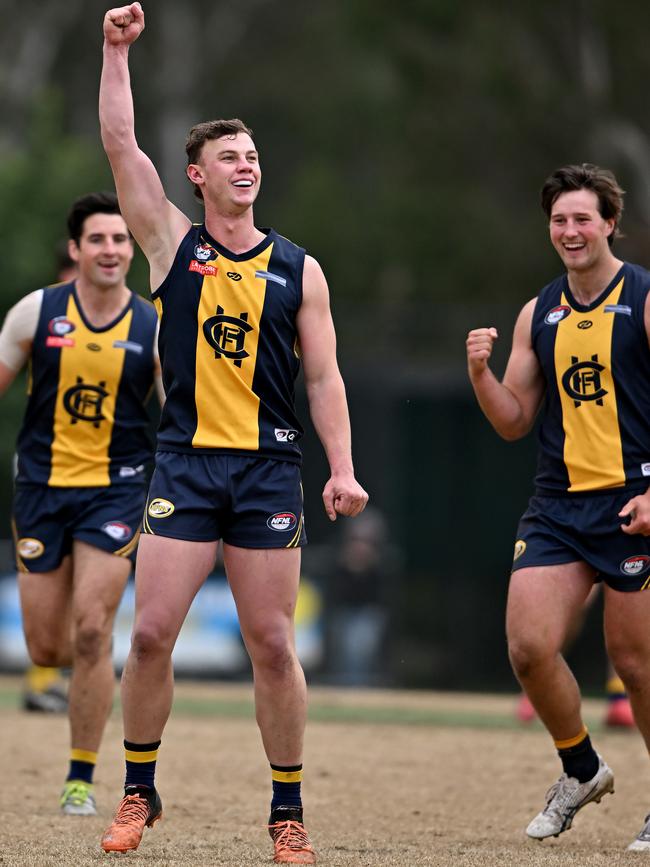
[[47, 519], [247, 501], [584, 527]]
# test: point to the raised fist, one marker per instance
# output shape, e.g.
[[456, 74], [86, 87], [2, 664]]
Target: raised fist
[[124, 24]]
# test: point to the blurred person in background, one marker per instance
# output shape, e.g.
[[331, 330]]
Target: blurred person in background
[[239, 307], [358, 578], [582, 348], [81, 456], [45, 689]]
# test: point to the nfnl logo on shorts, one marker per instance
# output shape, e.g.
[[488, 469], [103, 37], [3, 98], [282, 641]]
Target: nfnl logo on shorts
[[117, 530], [645, 469], [201, 268], [635, 565], [282, 521], [30, 548], [520, 547], [557, 314], [160, 508]]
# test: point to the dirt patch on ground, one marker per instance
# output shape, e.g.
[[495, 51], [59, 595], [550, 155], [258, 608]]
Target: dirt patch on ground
[[420, 793]]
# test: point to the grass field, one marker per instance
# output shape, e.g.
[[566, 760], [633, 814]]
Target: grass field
[[391, 778]]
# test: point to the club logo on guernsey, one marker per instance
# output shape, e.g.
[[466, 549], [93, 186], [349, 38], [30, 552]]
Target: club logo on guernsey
[[557, 314], [84, 402], [29, 548], [227, 335], [582, 381], [59, 328], [282, 522], [205, 253], [160, 508], [635, 565], [117, 530]]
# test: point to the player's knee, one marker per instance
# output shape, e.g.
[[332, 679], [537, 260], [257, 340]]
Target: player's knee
[[631, 666], [150, 640], [526, 655], [272, 649], [43, 653], [90, 643]]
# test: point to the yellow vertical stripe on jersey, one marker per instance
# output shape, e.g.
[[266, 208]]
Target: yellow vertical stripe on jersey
[[593, 453], [157, 303], [80, 448], [227, 409]]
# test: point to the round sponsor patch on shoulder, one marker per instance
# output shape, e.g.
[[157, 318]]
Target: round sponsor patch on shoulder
[[159, 508], [520, 547], [635, 565], [557, 314], [282, 522], [29, 548]]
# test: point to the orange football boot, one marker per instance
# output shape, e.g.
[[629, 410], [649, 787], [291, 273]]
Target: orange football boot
[[290, 839], [140, 808]]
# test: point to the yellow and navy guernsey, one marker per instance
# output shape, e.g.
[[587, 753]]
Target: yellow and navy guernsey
[[85, 424], [228, 348], [595, 430]]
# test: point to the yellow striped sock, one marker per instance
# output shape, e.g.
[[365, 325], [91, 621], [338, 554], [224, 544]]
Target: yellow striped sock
[[572, 742]]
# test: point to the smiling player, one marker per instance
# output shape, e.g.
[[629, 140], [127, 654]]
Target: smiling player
[[239, 308], [81, 450], [581, 347]]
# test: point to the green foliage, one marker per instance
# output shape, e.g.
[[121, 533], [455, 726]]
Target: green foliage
[[39, 182]]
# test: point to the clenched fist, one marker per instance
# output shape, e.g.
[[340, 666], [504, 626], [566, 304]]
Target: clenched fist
[[479, 345], [124, 24]]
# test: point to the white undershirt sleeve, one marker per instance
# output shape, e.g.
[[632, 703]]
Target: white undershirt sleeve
[[19, 329]]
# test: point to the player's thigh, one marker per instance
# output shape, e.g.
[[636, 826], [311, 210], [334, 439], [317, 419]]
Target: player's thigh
[[168, 575], [544, 601], [264, 584], [627, 623], [99, 579], [45, 601]]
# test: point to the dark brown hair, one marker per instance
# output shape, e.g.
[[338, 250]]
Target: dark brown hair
[[207, 131], [586, 177], [86, 206]]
